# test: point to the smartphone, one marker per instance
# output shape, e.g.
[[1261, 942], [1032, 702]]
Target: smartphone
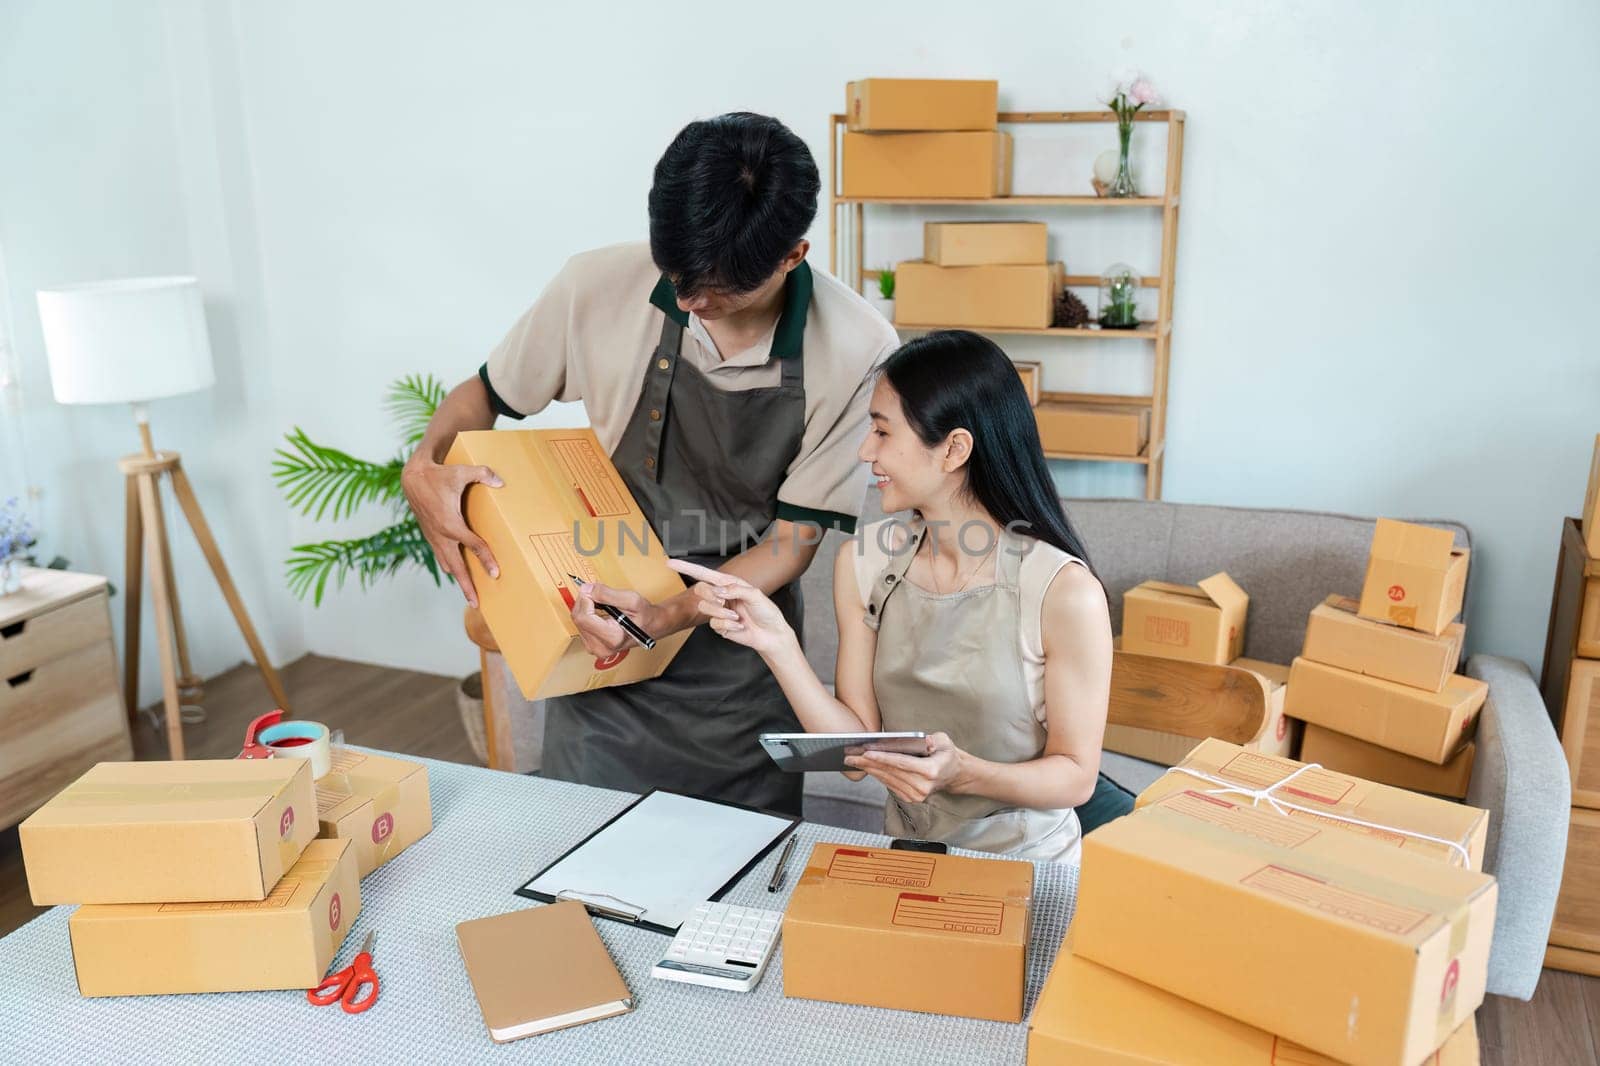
[[811, 752], [938, 847]]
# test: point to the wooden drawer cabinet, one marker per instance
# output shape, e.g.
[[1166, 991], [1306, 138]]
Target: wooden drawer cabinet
[[1580, 731], [1577, 920], [60, 706]]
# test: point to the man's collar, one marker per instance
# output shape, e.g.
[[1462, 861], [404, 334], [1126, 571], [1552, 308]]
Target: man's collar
[[791, 329]]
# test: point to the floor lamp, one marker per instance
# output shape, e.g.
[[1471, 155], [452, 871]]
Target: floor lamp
[[133, 341]]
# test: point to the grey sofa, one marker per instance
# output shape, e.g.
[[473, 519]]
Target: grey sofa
[[1288, 561]]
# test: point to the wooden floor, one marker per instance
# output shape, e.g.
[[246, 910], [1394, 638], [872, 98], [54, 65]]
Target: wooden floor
[[416, 713]]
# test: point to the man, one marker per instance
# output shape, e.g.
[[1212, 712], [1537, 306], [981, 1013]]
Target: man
[[728, 381]]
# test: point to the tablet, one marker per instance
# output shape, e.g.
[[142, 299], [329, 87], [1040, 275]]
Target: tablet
[[798, 752]]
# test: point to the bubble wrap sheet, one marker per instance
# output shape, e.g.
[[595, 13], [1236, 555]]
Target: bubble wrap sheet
[[492, 831]]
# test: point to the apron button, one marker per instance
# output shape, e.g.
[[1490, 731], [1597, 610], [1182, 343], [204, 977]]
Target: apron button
[[663, 364], [872, 608], [649, 463], [655, 416], [888, 579]]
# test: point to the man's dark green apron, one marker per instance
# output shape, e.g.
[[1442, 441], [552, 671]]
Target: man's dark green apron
[[705, 466]]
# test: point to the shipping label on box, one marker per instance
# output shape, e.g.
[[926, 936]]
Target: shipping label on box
[[379, 804], [1416, 577], [1021, 297], [1365, 954], [899, 104], [1201, 623], [162, 832], [1088, 1015], [1427, 725], [1336, 635], [952, 244], [926, 165], [284, 941], [910, 931], [563, 509], [1362, 759], [1389, 816]]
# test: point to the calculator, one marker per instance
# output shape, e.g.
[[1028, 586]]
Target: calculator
[[723, 946]]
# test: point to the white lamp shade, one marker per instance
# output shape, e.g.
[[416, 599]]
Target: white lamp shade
[[126, 341]]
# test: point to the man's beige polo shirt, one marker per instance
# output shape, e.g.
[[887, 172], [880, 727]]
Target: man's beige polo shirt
[[591, 333]]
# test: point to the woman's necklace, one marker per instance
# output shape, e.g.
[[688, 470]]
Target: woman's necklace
[[934, 573]]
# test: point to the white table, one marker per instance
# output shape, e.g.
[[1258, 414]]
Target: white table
[[492, 831]]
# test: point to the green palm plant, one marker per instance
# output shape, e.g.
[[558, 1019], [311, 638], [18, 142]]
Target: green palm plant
[[322, 482]]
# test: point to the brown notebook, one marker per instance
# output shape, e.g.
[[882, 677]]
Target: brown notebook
[[540, 969]]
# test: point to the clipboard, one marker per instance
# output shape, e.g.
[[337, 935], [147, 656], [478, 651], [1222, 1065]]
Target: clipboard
[[659, 857]]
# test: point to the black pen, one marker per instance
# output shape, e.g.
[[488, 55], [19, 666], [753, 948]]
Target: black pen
[[783, 860], [629, 626]]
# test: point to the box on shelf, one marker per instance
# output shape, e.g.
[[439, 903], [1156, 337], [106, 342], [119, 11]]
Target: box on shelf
[[170, 832], [1362, 953], [1416, 577], [1031, 374], [1066, 427], [1374, 763], [561, 494], [1088, 1014], [952, 244], [974, 166], [1018, 297], [1328, 795], [284, 941], [1413, 721], [1279, 734], [1580, 731], [379, 804], [1577, 919], [890, 104], [1337, 636], [909, 930], [1202, 623]]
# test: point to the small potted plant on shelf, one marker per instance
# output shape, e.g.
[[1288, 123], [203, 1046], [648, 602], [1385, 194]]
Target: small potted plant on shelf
[[885, 297], [1130, 93], [1119, 297], [16, 538]]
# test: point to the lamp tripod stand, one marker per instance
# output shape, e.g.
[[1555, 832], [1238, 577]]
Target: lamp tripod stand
[[147, 535]]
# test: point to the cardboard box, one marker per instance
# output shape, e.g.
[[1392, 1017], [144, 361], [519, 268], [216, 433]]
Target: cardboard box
[[882, 104], [1416, 577], [287, 940], [1279, 733], [1337, 636], [1092, 428], [563, 509], [953, 244], [1088, 1015], [1365, 954], [1361, 759], [1574, 630], [1580, 732], [910, 931], [1577, 919], [1201, 623], [1020, 297], [1032, 375], [972, 166], [379, 804], [1328, 795], [1413, 721], [170, 832]]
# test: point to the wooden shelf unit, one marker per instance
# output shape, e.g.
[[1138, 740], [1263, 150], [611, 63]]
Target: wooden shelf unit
[[846, 259]]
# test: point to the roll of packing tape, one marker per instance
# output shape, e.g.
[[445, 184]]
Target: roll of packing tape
[[300, 740]]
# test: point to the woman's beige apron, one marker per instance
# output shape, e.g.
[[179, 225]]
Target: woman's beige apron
[[953, 664]]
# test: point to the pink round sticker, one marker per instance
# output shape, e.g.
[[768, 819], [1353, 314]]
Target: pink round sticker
[[335, 911], [286, 823], [382, 827]]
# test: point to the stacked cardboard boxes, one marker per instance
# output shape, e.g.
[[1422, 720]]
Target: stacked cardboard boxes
[[1571, 688], [1253, 909], [924, 139], [1375, 680], [199, 876]]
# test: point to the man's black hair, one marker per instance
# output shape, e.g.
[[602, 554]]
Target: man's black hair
[[732, 196]]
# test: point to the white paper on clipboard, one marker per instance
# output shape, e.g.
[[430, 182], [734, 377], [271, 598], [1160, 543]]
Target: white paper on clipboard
[[662, 857]]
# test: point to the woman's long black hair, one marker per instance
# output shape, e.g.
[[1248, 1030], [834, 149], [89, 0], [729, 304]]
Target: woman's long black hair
[[953, 379]]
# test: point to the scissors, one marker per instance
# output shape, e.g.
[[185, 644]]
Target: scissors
[[346, 984]]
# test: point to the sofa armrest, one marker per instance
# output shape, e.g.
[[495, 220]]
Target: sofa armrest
[[1520, 778]]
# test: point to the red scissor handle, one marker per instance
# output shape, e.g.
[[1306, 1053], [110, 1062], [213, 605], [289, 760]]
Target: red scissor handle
[[346, 986], [253, 748]]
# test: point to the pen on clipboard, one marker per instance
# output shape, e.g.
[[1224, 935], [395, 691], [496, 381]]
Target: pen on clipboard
[[783, 861], [629, 626]]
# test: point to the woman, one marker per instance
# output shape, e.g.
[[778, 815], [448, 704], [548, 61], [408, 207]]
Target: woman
[[979, 623]]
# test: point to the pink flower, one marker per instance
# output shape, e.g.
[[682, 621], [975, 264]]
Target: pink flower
[[1142, 92]]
